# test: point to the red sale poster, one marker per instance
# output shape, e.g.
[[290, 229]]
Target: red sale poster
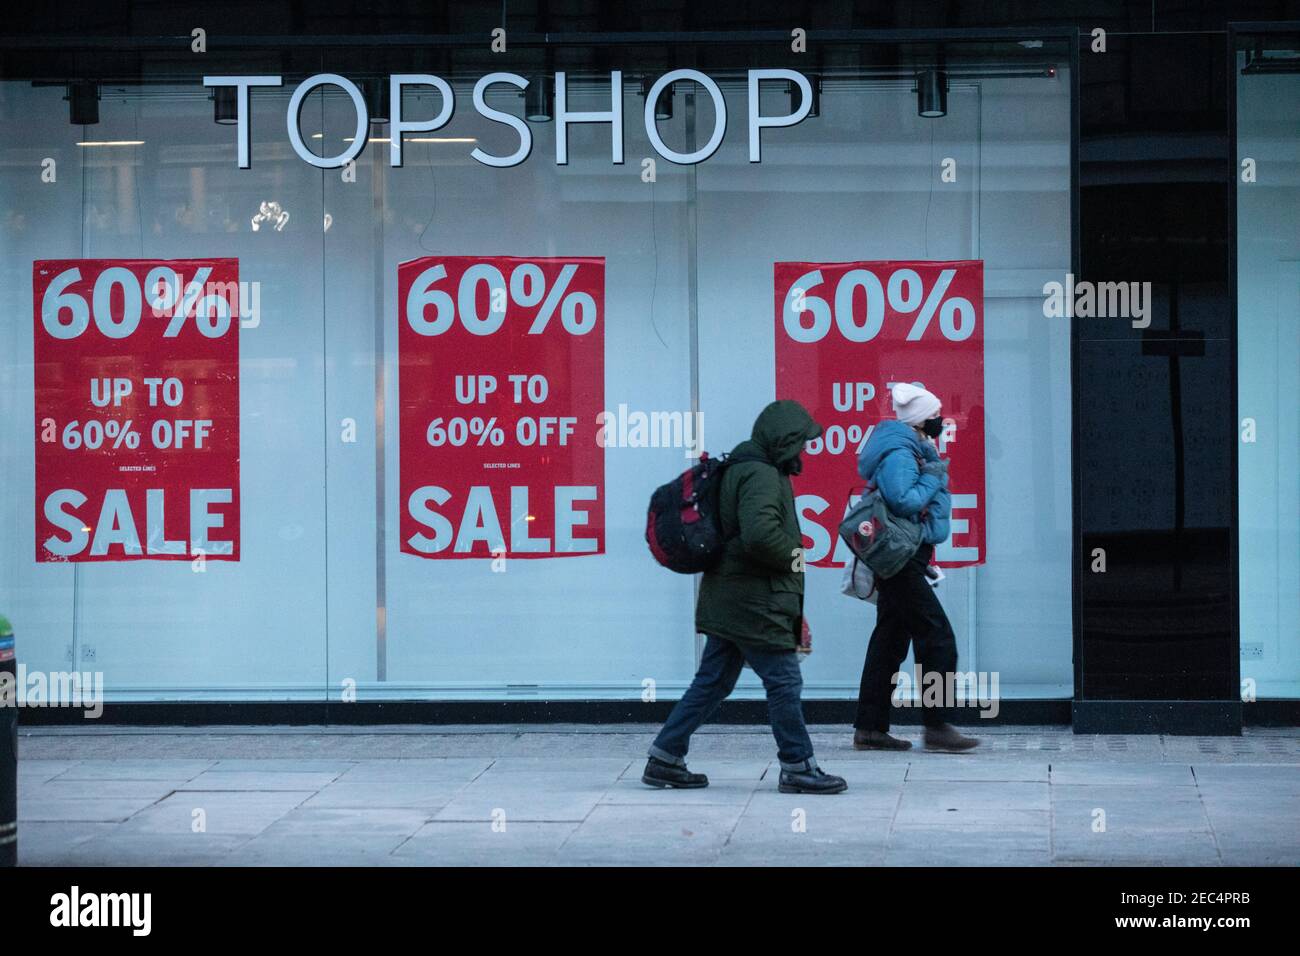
[[137, 409], [845, 332], [501, 379]]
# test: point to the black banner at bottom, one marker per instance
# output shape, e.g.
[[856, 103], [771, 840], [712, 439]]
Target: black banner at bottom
[[185, 905]]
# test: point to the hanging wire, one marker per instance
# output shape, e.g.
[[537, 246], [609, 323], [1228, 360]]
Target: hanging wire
[[654, 282], [433, 209], [929, 199]]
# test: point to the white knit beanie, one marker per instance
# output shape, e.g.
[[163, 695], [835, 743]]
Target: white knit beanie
[[913, 404]]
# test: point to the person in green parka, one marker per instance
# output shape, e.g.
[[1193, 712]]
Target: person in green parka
[[750, 607]]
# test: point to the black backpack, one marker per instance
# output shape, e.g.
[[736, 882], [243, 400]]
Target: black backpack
[[684, 525]]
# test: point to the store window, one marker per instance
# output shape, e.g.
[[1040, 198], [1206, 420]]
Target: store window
[[873, 183], [1268, 371], [402, 490]]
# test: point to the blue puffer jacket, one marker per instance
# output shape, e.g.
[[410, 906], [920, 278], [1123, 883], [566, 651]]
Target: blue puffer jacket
[[888, 461]]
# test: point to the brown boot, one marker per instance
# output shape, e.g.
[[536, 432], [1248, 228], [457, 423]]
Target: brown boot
[[877, 740], [945, 739]]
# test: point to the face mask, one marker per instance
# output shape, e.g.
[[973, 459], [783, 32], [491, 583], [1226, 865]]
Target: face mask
[[793, 467], [932, 427]]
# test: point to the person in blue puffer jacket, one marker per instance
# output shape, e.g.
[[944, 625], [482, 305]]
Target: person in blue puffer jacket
[[900, 458]]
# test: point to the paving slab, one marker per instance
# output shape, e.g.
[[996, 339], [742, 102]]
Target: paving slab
[[512, 843], [1248, 849], [1129, 807], [1136, 847], [157, 769], [1253, 813], [388, 770], [246, 780], [329, 823], [764, 850], [935, 857], [514, 796], [583, 746], [946, 795], [571, 795], [80, 809], [277, 765], [633, 791], [267, 849], [227, 813], [650, 836], [41, 841], [135, 849], [992, 769], [612, 767], [63, 789], [790, 827], [860, 772], [1165, 775], [429, 795], [1015, 845], [858, 801], [930, 815], [1284, 777], [36, 771]]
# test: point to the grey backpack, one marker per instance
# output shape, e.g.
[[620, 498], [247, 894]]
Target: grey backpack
[[882, 540]]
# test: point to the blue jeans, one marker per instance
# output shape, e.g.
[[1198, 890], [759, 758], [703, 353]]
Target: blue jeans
[[719, 668]]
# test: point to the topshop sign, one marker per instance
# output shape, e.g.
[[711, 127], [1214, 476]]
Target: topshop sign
[[564, 117]]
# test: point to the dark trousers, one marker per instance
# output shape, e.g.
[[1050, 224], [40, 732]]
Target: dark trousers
[[907, 611], [719, 668]]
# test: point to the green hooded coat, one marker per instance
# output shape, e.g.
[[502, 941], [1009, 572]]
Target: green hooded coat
[[754, 596]]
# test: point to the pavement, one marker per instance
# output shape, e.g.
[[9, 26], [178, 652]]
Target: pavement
[[571, 795]]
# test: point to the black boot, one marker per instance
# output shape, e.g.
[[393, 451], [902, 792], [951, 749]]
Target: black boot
[[878, 740], [657, 773], [814, 780]]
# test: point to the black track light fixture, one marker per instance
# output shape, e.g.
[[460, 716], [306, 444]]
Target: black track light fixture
[[932, 93], [539, 99], [663, 102], [225, 105], [815, 101], [83, 103], [377, 100]]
